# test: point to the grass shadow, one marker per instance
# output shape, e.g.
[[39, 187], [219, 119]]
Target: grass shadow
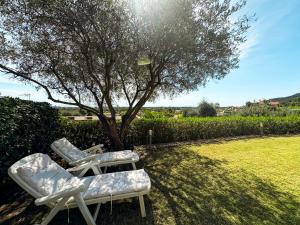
[[195, 189], [20, 209], [187, 188]]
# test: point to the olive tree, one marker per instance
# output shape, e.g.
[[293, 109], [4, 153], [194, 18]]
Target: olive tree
[[94, 53]]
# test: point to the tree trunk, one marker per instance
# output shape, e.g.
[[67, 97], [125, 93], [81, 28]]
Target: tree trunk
[[111, 128], [116, 139]]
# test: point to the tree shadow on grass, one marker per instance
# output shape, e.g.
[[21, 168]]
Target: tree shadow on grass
[[19, 209], [186, 189], [194, 189]]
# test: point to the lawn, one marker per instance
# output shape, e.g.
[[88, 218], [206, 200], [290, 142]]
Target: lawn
[[254, 181]]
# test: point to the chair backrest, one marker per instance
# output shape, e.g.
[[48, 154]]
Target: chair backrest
[[67, 150], [40, 176], [13, 173]]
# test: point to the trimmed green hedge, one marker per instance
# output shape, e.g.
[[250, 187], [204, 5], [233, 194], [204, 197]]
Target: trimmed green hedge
[[84, 134], [185, 129], [26, 127], [166, 130]]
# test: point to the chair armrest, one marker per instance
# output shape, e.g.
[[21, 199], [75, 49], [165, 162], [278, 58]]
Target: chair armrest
[[84, 160], [63, 194], [82, 166], [95, 149]]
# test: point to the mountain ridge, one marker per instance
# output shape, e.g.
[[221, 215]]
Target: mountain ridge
[[285, 99]]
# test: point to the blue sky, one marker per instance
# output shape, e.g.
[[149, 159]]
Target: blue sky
[[269, 65]]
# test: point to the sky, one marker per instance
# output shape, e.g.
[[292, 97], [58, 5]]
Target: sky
[[269, 63]]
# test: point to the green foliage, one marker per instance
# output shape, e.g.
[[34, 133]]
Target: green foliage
[[84, 134], [26, 127], [189, 113], [205, 109], [66, 113], [294, 102], [266, 110], [72, 111], [257, 110], [87, 133], [150, 114], [186, 129], [248, 104], [82, 112]]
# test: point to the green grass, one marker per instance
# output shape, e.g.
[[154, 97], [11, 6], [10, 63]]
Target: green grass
[[246, 182], [253, 181], [275, 160]]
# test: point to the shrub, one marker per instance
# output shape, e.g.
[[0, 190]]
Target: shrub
[[186, 129], [66, 113], [205, 109], [263, 110], [26, 127], [266, 110], [189, 113], [150, 114], [83, 134]]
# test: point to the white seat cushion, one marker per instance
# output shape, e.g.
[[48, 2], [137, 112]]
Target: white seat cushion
[[46, 177], [117, 156], [116, 183], [69, 150], [72, 153]]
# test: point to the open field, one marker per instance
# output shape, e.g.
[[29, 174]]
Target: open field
[[253, 182]]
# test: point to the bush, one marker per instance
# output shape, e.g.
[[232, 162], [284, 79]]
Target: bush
[[66, 113], [266, 110], [186, 129], [26, 127], [150, 114], [84, 134], [189, 113], [205, 109], [263, 110]]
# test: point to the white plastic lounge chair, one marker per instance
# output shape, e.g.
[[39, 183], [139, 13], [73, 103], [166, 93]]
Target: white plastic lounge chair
[[86, 160], [55, 187]]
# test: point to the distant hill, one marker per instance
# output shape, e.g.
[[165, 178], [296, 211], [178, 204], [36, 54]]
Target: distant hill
[[285, 99]]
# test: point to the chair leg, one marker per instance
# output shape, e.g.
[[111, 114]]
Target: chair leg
[[84, 210], [99, 168], [83, 172], [142, 205], [105, 169], [54, 211], [96, 170], [133, 166], [96, 211]]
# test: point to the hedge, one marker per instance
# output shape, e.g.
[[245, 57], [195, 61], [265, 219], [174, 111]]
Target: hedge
[[26, 127], [83, 134], [184, 129]]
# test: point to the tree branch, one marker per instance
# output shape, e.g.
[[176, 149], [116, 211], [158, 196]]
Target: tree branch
[[26, 77]]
